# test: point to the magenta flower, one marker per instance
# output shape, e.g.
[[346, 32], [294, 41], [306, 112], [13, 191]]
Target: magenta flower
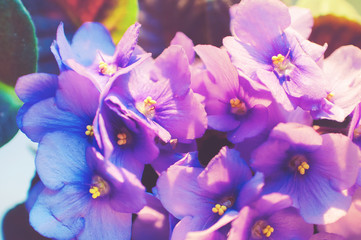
[[85, 198], [266, 49], [200, 197], [270, 217], [158, 92], [232, 103], [342, 73], [313, 169], [93, 54]]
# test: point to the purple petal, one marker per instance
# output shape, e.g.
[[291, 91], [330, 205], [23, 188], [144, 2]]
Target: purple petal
[[288, 224], [259, 22], [180, 194], [224, 173], [301, 20], [187, 44], [222, 123], [44, 117], [297, 134], [338, 160], [269, 157], [77, 94], [219, 65], [126, 45], [61, 159], [127, 193], [242, 225], [59, 214], [90, 38], [174, 60], [318, 202], [36, 86], [270, 80], [63, 45], [252, 124], [212, 233], [250, 191], [342, 71], [245, 57], [102, 222], [152, 221], [184, 117]]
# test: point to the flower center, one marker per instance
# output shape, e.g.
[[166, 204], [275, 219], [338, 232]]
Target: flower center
[[147, 107], [89, 130], [282, 64], [106, 69], [357, 132], [238, 107], [330, 96], [299, 162], [260, 229], [99, 187], [223, 206], [122, 139]]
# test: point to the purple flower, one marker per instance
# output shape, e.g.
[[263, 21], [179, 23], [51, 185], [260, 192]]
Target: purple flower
[[93, 54], [270, 217], [232, 103], [125, 140], [199, 197], [342, 73], [158, 92], [313, 169], [67, 102], [85, 198], [264, 48], [347, 226], [326, 236]]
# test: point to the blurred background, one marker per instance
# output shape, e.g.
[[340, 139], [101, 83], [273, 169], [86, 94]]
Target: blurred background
[[28, 27]]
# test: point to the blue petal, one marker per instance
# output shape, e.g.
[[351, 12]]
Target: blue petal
[[90, 38], [61, 159], [58, 214], [36, 86], [102, 222], [44, 117]]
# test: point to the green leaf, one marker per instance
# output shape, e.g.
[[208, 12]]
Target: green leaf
[[9, 106], [118, 18], [339, 8], [18, 51]]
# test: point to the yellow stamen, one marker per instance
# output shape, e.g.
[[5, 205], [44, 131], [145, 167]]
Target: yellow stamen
[[278, 60], [330, 96], [122, 139], [238, 107], [303, 167], [106, 69], [267, 231], [89, 130], [357, 132], [147, 107], [220, 209], [99, 187]]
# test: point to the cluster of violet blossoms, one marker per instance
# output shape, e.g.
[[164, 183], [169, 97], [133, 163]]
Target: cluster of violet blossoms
[[114, 109]]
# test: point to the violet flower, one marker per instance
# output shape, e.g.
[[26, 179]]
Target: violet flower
[[67, 102], [232, 103], [342, 73], [93, 54], [125, 141], [315, 170], [158, 92], [270, 217], [264, 48], [85, 198], [199, 197]]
